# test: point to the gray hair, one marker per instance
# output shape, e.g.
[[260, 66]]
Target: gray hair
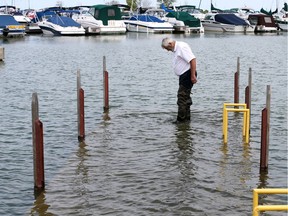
[[166, 41]]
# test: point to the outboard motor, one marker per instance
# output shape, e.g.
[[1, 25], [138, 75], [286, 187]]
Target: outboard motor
[[5, 32]]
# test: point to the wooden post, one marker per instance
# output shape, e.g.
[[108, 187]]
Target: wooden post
[[80, 109], [37, 135], [2, 56], [264, 149]]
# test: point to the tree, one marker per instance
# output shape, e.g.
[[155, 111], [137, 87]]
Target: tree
[[167, 3], [133, 4]]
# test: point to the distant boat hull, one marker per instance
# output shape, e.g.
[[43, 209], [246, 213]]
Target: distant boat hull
[[220, 27], [69, 31]]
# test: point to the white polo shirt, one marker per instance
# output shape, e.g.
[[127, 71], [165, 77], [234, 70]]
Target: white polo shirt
[[182, 57]]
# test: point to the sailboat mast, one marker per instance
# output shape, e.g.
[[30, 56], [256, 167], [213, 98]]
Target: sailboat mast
[[200, 4]]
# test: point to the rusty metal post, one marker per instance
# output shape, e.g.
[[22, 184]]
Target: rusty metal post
[[264, 147], [236, 82], [80, 108], [106, 91], [247, 98], [268, 99], [35, 116], [105, 87], [40, 180], [236, 87], [81, 132], [37, 137]]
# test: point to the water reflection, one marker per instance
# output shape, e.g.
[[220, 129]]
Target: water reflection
[[184, 142], [40, 206], [231, 166], [183, 136]]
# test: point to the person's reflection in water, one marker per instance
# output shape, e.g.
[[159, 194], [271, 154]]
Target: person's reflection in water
[[185, 144], [183, 135]]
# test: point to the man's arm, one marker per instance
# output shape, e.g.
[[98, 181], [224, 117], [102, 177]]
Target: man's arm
[[193, 70]]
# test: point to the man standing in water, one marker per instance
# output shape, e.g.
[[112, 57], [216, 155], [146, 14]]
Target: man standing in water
[[184, 65]]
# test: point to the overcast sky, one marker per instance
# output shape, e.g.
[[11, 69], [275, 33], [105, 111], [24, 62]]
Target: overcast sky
[[205, 4]]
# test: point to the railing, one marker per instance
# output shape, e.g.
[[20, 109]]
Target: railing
[[257, 208]]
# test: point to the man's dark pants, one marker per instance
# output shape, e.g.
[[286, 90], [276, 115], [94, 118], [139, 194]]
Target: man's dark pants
[[184, 99]]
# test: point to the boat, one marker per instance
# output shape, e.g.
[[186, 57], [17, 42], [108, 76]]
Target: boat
[[192, 24], [110, 18], [21, 18], [52, 23], [263, 23], [82, 16], [9, 27], [281, 18], [149, 20], [192, 10], [226, 22], [31, 26], [178, 25]]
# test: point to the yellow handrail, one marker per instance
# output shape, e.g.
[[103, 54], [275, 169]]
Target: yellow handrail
[[257, 208]]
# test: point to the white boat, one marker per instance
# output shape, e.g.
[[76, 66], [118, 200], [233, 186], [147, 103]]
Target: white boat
[[226, 22], [109, 18], [148, 24], [88, 22], [178, 25], [192, 10], [281, 20], [53, 24]]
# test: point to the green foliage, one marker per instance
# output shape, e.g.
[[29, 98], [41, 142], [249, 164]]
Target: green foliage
[[167, 3], [133, 4]]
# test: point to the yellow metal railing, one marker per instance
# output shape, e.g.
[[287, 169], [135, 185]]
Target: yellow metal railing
[[257, 208], [246, 119]]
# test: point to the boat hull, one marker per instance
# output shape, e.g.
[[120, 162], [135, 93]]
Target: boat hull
[[50, 29], [149, 27], [220, 27]]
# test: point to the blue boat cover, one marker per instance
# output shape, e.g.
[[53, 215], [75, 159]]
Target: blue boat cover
[[7, 20], [63, 21], [230, 19], [146, 18]]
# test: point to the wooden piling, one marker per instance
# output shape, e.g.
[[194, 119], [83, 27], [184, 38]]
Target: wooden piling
[[80, 109], [37, 139], [2, 55], [264, 150]]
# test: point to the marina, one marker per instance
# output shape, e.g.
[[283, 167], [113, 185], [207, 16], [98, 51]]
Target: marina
[[139, 162]]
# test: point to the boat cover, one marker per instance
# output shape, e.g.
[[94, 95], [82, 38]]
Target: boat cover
[[146, 18], [187, 18], [230, 19], [7, 20], [63, 21]]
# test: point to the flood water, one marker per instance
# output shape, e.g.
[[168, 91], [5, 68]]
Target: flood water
[[139, 162]]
